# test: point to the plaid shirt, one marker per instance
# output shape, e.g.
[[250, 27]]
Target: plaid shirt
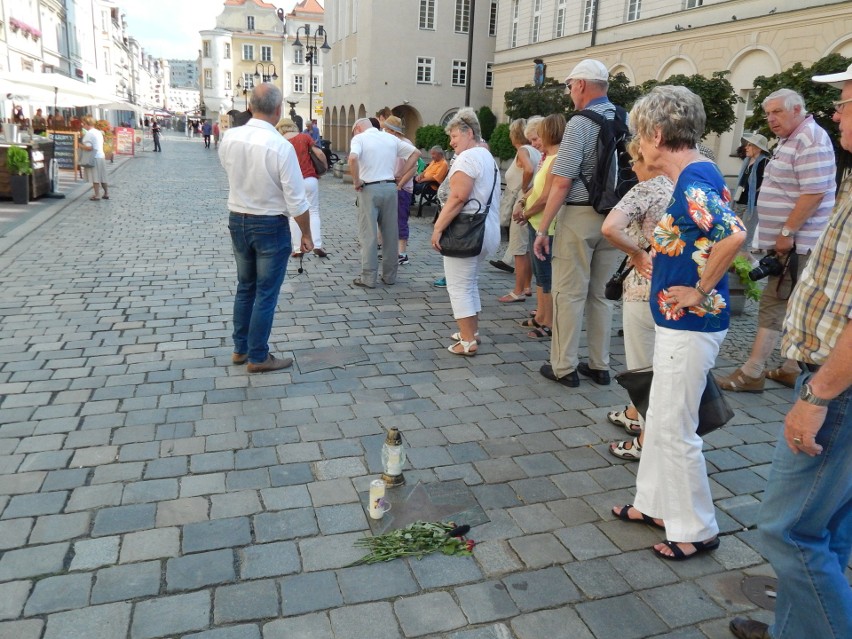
[[821, 303]]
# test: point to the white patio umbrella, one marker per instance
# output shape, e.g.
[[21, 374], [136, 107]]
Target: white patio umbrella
[[66, 91]]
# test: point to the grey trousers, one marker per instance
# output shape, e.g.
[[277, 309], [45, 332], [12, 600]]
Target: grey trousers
[[377, 205], [583, 261]]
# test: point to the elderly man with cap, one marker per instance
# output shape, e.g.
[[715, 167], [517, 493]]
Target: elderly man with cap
[[749, 181], [583, 260], [793, 207], [805, 519], [373, 156]]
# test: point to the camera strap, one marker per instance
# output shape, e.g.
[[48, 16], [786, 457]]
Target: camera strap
[[791, 266]]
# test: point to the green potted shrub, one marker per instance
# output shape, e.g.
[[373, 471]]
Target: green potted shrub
[[18, 163], [741, 286]]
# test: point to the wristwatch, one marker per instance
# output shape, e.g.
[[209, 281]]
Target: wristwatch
[[806, 394], [785, 232], [540, 234]]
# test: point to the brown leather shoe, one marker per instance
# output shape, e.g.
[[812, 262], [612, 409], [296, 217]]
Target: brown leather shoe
[[320, 253], [271, 364], [739, 382], [749, 629], [785, 378], [239, 358]]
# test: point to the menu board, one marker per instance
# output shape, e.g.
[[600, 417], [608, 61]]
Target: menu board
[[65, 145], [124, 140]]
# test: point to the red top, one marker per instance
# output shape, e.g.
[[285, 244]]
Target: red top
[[303, 143]]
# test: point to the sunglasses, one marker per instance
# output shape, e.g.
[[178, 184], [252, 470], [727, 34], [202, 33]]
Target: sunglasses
[[839, 105]]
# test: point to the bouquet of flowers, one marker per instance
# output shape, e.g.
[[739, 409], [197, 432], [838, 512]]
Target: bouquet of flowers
[[417, 539]]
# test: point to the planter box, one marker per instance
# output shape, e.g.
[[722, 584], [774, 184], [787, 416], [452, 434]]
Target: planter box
[[19, 185]]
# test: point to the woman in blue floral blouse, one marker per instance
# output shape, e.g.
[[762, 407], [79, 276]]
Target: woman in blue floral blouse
[[693, 246]]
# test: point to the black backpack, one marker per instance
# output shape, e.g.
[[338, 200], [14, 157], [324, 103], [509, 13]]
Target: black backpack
[[613, 176]]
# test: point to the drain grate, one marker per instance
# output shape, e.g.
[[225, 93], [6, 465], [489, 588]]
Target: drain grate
[[760, 591]]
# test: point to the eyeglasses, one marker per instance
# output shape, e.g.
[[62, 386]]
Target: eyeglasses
[[839, 105]]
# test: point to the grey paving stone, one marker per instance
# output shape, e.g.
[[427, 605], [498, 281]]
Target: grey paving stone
[[313, 626], [166, 467], [269, 560], [37, 504], [682, 604], [329, 551], [285, 524], [234, 504], [111, 473], [374, 620], [121, 519], [438, 570], [535, 490], [32, 562], [599, 617], [341, 518], [329, 493], [309, 592], [493, 631], [171, 615], [59, 593], [220, 533], [540, 551], [428, 614], [21, 483], [182, 511], [199, 570], [243, 631], [52, 528], [122, 583], [562, 622], [495, 496], [285, 497], [65, 479], [245, 601], [496, 558], [150, 544], [94, 622], [597, 578], [46, 460], [197, 485], [142, 492], [94, 553], [541, 589], [211, 462], [376, 581], [535, 518], [14, 532], [291, 474], [13, 595], [485, 601], [29, 629], [255, 478]]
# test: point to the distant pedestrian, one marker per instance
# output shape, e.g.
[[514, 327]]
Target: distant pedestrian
[[93, 140], [155, 133], [216, 133], [265, 190], [206, 131]]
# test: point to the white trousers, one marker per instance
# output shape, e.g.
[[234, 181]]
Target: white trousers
[[462, 275], [639, 334], [312, 195], [672, 483]]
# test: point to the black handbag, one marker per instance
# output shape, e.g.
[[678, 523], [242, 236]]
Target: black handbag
[[466, 233], [713, 411], [614, 288]]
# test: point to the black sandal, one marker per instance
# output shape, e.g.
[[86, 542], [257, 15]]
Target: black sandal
[[530, 323], [541, 332], [679, 555], [623, 516]]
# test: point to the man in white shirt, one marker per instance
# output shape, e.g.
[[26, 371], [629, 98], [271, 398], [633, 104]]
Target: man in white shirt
[[372, 159], [266, 188]]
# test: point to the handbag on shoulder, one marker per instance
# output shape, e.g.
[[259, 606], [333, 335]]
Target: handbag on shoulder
[[466, 233], [318, 160], [86, 158]]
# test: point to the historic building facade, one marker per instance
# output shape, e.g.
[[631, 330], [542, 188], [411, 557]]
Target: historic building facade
[[655, 39]]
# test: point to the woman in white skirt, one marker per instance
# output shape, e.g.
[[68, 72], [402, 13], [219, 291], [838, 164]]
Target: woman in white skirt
[[93, 141]]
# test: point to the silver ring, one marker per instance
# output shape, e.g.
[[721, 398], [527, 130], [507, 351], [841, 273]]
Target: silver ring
[[797, 441]]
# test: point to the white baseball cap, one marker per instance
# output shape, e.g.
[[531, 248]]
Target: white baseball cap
[[837, 80], [589, 69]]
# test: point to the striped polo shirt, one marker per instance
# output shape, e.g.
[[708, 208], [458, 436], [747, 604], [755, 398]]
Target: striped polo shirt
[[801, 164], [578, 150]]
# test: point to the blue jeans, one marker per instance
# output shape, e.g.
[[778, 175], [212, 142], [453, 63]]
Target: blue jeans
[[806, 526], [542, 269], [261, 247]]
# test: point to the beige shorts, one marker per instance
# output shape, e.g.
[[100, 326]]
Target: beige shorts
[[773, 300]]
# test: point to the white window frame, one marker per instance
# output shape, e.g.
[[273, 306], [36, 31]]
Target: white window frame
[[298, 84], [340, 74], [489, 75], [346, 72], [248, 49], [354, 70], [588, 15], [461, 19], [634, 10], [248, 80], [205, 48], [354, 16], [316, 84], [333, 75], [250, 23], [693, 4], [265, 53], [208, 78], [561, 18], [227, 80], [492, 19], [227, 55], [535, 25], [425, 70], [513, 31], [458, 75], [298, 55], [426, 16]]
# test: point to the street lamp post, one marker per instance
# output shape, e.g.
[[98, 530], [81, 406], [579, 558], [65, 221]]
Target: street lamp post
[[240, 87], [262, 71], [310, 56]]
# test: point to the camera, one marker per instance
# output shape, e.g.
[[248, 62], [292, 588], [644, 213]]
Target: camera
[[769, 265]]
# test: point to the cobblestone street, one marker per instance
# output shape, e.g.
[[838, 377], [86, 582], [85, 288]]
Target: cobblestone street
[[148, 488]]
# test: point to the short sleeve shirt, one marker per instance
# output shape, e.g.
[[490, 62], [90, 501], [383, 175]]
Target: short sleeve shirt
[[478, 164], [698, 216], [644, 205]]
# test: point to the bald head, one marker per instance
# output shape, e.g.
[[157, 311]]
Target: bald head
[[361, 125], [265, 102]]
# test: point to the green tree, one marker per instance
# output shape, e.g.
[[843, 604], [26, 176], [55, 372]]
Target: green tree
[[487, 122], [716, 92], [501, 145], [818, 97], [530, 100], [430, 135], [621, 93]]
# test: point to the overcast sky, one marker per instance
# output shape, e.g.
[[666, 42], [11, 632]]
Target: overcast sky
[[169, 28]]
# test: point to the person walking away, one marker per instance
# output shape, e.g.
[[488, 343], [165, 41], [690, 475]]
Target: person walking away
[[372, 160], [582, 259], [805, 517], [155, 133], [393, 125], [206, 131], [304, 146], [265, 189], [93, 140], [793, 208], [216, 133]]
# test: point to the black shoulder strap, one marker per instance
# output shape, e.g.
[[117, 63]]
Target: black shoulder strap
[[493, 187]]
